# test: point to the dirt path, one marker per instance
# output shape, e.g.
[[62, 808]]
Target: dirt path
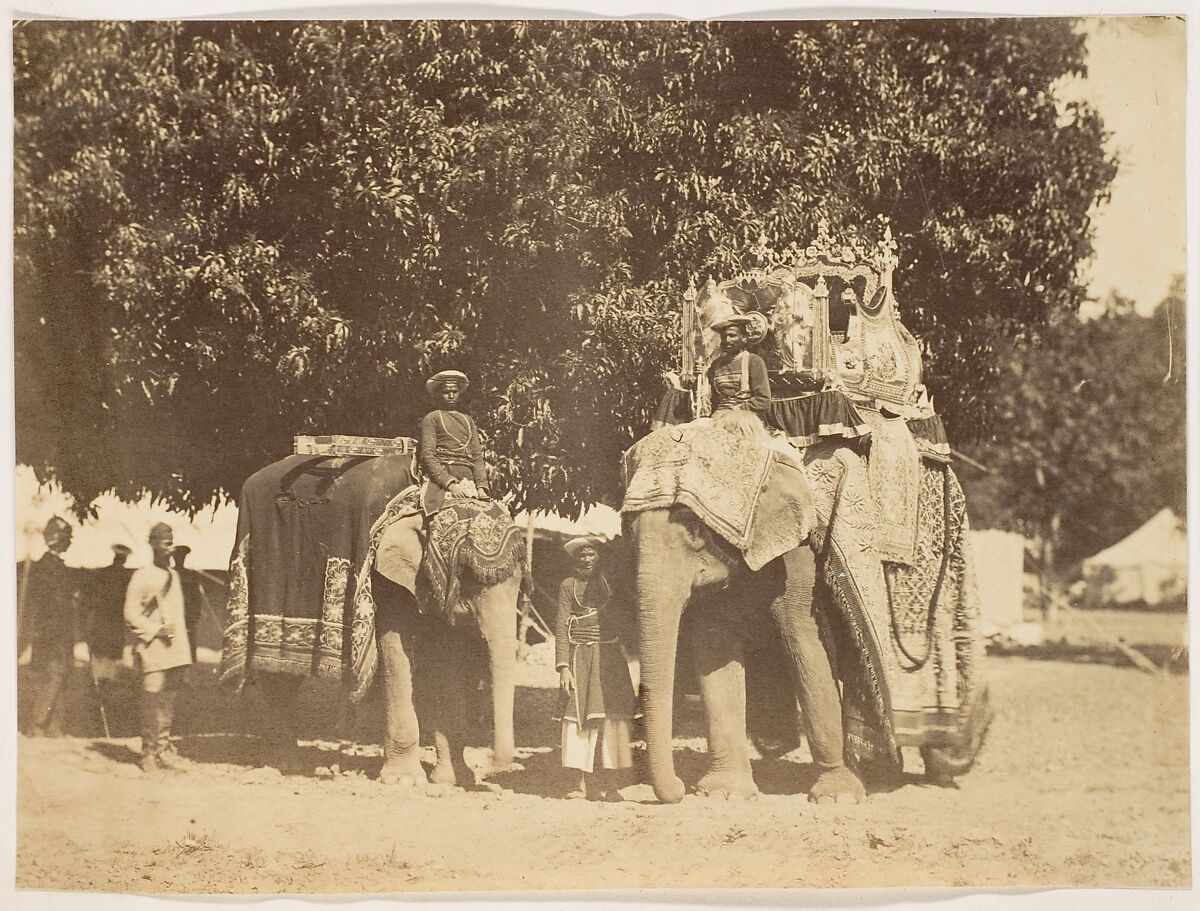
[[1084, 781]]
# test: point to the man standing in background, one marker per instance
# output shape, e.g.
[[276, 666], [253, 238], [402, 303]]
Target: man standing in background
[[194, 596], [52, 595], [154, 612], [106, 634]]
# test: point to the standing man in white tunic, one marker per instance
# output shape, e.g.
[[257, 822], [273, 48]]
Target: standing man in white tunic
[[154, 611]]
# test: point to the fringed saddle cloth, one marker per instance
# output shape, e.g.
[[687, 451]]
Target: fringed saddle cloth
[[471, 539], [717, 475], [723, 478], [894, 470]]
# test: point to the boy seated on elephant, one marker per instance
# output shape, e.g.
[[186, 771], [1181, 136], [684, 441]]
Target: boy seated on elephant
[[738, 377], [598, 698], [450, 451]]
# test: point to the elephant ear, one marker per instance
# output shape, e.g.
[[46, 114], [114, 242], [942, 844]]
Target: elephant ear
[[398, 553], [785, 515]]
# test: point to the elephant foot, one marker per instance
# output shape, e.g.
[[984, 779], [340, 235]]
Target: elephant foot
[[454, 775], [727, 785], [503, 757], [839, 786], [404, 772], [672, 791]]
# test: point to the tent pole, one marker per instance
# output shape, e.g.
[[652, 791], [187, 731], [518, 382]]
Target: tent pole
[[1136, 658], [526, 602]]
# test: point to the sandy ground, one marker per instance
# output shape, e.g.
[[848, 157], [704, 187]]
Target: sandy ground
[[1083, 781]]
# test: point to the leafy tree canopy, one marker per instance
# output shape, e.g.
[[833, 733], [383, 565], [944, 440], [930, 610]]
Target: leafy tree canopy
[[1095, 431], [230, 233]]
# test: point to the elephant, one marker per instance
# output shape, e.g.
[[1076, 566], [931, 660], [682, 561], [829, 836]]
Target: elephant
[[680, 563], [324, 582], [746, 537], [446, 650]]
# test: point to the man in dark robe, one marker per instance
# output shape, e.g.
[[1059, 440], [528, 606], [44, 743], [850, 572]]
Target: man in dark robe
[[106, 633], [598, 697], [51, 594], [194, 595]]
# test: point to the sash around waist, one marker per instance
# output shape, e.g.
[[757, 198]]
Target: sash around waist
[[584, 629]]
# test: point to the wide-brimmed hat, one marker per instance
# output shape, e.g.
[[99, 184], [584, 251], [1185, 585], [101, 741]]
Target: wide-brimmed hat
[[734, 319], [435, 382], [123, 550], [575, 545], [182, 551]]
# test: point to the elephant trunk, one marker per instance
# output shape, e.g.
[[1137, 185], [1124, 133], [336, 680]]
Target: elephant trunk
[[660, 606], [498, 622]]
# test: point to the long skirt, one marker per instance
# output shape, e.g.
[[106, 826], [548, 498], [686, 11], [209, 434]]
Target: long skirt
[[579, 744]]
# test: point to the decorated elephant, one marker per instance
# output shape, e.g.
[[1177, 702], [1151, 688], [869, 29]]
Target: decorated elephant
[[336, 574], [746, 534]]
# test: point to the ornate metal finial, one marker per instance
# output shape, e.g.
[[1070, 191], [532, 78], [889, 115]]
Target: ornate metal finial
[[847, 249], [760, 252], [883, 256], [692, 292]]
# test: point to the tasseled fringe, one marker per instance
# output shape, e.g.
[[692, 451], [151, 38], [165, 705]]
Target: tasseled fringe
[[489, 569]]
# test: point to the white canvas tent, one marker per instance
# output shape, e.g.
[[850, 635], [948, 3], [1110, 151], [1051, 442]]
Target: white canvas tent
[[998, 558], [209, 533], [1148, 566], [599, 521]]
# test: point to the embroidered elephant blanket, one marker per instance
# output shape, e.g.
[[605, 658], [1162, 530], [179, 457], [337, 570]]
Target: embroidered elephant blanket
[[906, 637], [471, 539], [894, 470], [721, 477], [300, 599]]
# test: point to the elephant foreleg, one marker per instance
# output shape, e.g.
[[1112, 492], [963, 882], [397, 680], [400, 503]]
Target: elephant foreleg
[[447, 673], [719, 661], [402, 735], [819, 698], [277, 724]]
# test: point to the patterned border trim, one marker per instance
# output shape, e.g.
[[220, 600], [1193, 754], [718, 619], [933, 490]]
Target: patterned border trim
[[237, 606], [297, 645], [831, 430], [840, 582], [365, 659]]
